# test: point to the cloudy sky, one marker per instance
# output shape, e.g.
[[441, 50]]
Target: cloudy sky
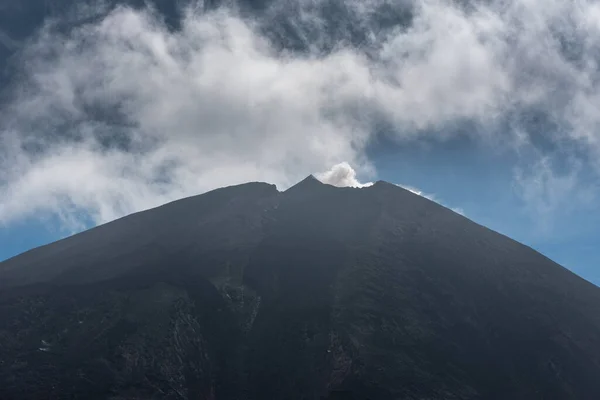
[[490, 107]]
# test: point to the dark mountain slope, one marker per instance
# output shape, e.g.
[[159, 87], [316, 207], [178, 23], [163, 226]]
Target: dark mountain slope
[[193, 224], [317, 292]]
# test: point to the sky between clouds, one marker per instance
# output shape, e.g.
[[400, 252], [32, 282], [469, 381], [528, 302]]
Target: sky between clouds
[[123, 113]]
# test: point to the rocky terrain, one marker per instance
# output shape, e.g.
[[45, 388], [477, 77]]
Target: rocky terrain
[[317, 292]]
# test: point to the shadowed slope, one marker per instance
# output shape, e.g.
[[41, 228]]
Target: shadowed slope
[[315, 292]]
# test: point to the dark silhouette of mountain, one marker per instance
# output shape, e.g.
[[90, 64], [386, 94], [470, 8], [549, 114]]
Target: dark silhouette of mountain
[[317, 292]]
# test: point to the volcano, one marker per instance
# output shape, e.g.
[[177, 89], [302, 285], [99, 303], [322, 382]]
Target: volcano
[[316, 292]]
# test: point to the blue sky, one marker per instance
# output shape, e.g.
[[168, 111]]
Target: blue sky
[[492, 109], [482, 185]]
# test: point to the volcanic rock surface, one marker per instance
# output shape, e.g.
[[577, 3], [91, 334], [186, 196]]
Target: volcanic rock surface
[[317, 292]]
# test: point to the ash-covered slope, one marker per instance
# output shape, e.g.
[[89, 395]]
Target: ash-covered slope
[[317, 292]]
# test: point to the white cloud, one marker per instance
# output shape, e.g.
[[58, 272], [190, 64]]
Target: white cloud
[[204, 108], [418, 192], [458, 210], [431, 197], [217, 103], [341, 175], [549, 191]]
